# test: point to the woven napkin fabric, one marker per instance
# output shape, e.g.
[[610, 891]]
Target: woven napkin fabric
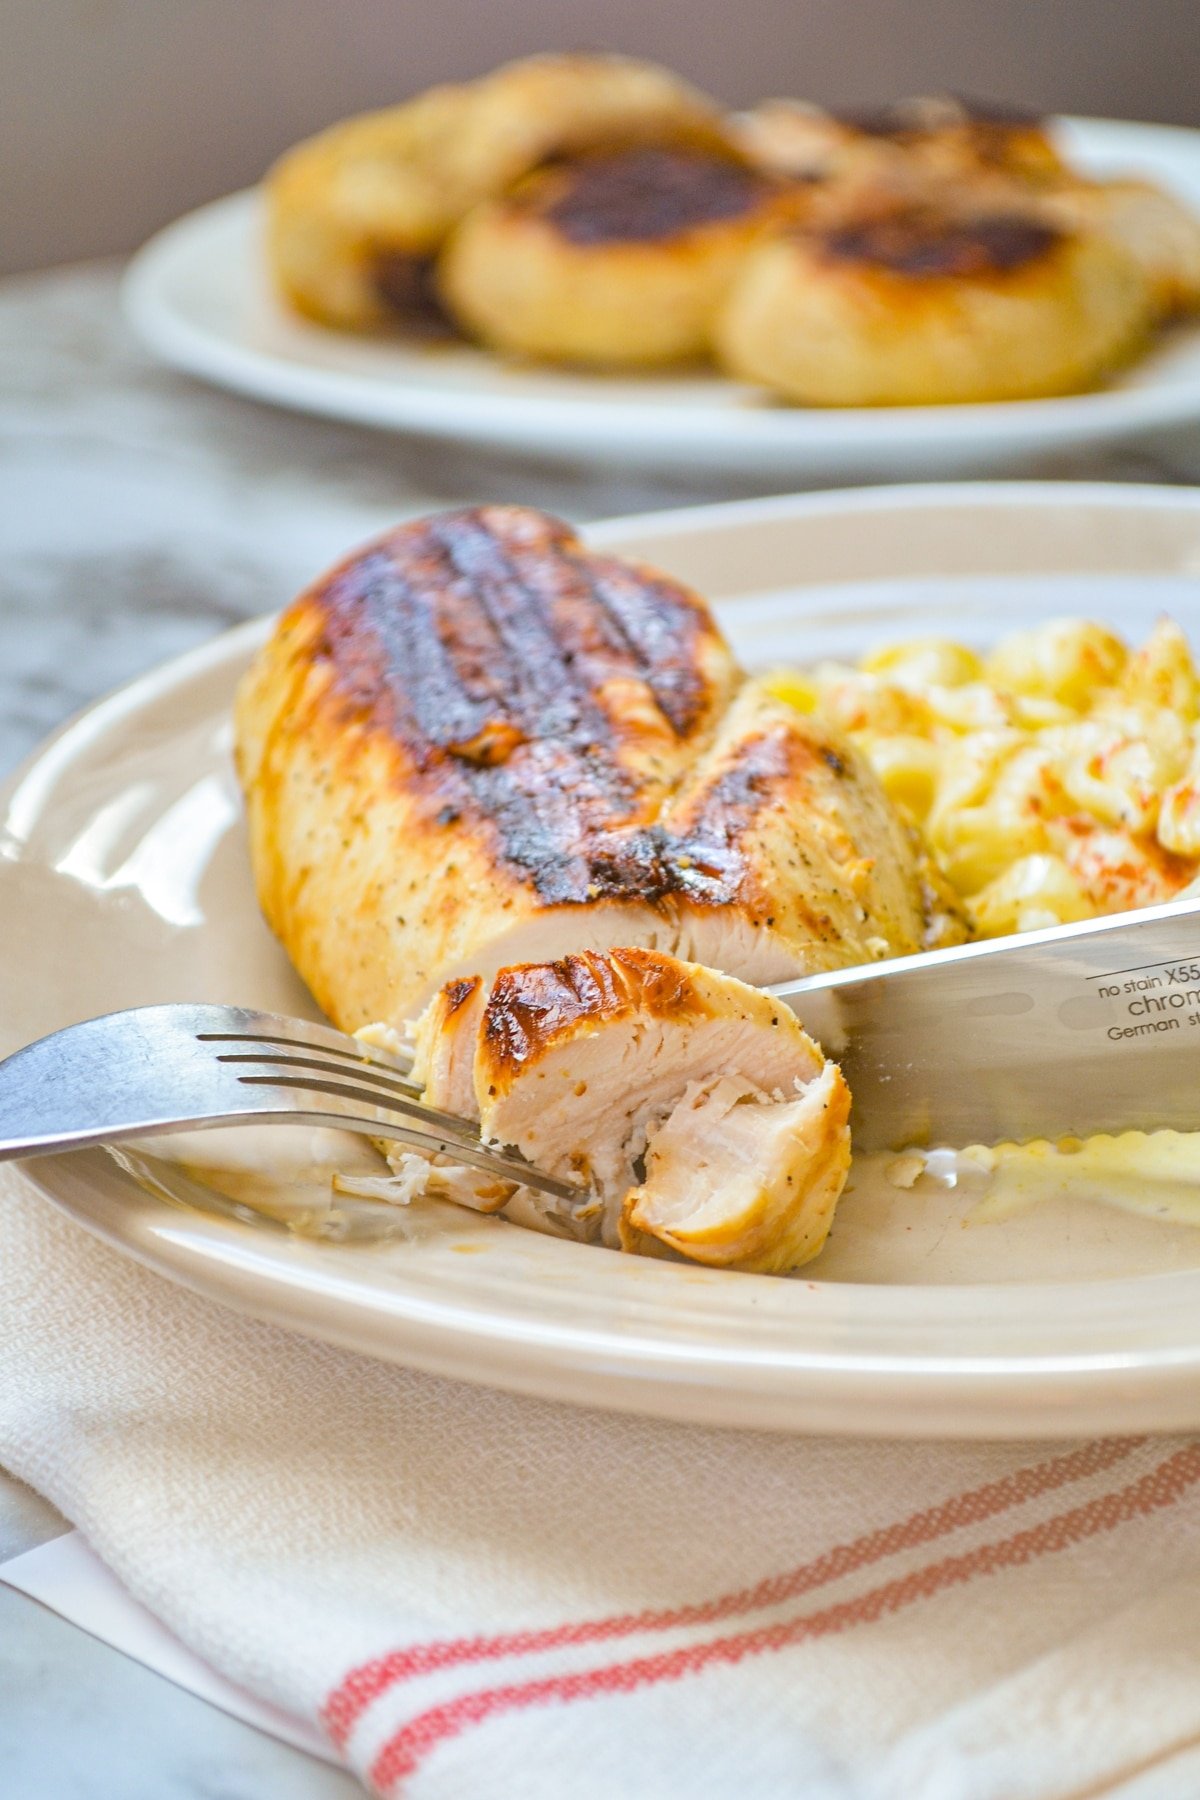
[[481, 1595]]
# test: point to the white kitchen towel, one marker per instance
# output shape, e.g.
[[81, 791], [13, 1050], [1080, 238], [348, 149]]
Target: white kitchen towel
[[473, 1594], [67, 1576]]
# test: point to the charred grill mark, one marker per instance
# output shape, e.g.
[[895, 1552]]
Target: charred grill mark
[[478, 641], [381, 623], [501, 582], [643, 196], [706, 842], [530, 1004], [657, 985], [563, 642], [659, 625], [551, 822], [922, 244], [534, 1003], [706, 856], [457, 993]]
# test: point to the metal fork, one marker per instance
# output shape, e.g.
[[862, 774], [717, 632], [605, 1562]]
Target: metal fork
[[160, 1069]]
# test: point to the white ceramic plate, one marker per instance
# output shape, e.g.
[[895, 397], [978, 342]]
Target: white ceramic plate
[[198, 295], [124, 881]]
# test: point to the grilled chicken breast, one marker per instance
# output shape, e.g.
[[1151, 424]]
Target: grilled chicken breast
[[694, 1112], [475, 744]]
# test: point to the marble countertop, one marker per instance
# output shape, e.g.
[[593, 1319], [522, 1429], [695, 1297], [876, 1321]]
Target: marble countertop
[[143, 513]]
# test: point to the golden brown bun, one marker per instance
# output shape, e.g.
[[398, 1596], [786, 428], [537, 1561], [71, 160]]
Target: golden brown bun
[[1161, 233], [609, 260], [933, 149], [923, 307], [546, 107], [940, 138], [355, 214], [370, 194]]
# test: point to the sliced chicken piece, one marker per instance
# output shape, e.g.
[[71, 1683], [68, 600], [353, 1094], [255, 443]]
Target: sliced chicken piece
[[475, 744], [742, 1180], [695, 1113]]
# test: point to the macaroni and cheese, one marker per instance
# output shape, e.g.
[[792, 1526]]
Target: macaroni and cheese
[[1055, 779]]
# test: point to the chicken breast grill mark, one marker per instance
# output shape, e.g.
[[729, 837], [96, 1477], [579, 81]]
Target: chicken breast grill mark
[[531, 1007], [476, 744], [496, 619], [781, 823], [525, 686], [698, 1117]]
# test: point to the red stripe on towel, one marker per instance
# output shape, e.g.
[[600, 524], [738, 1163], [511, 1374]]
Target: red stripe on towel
[[365, 1684], [1164, 1486]]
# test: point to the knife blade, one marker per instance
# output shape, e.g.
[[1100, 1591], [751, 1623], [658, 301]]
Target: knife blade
[[1069, 1031]]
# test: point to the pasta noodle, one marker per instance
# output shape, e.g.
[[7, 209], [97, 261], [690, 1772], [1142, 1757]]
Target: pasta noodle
[[1055, 779]]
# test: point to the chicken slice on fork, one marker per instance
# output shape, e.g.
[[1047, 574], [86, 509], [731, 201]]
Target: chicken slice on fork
[[695, 1113]]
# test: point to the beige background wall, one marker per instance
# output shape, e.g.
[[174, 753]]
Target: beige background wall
[[117, 114]]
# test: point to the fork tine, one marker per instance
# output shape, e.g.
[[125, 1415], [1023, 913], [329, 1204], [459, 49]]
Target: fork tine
[[380, 1084], [350, 1089], [389, 1079], [430, 1129], [386, 1083], [364, 1053]]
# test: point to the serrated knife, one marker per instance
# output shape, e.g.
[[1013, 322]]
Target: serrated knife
[[1064, 1032]]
